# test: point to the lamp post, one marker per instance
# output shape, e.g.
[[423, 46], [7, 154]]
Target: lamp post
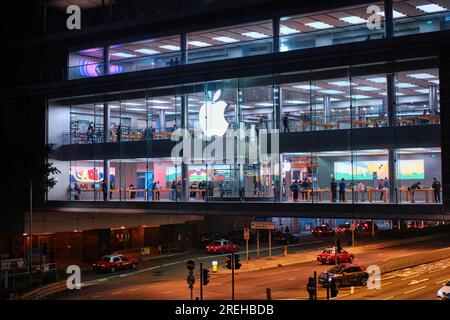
[[30, 261]]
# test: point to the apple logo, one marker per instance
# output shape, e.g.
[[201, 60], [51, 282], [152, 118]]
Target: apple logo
[[212, 116]]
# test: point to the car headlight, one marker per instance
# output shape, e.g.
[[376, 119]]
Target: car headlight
[[439, 293]]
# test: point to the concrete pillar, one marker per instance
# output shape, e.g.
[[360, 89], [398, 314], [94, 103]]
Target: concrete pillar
[[392, 163], [276, 34], [388, 19], [106, 57], [384, 107], [106, 166], [277, 112], [327, 108], [391, 100], [183, 48], [106, 122], [162, 120], [433, 98]]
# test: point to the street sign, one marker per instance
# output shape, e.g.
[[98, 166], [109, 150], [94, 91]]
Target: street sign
[[246, 233], [190, 265], [214, 266], [190, 279], [263, 225]]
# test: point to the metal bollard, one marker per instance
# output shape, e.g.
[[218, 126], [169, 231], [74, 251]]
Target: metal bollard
[[285, 251]]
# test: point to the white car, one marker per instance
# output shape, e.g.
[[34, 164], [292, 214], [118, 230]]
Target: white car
[[444, 292]]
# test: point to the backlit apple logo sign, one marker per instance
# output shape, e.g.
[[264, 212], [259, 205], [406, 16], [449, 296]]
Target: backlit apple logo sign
[[212, 116]]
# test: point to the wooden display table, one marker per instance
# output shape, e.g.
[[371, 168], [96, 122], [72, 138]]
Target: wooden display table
[[371, 191], [358, 123], [317, 124], [428, 192]]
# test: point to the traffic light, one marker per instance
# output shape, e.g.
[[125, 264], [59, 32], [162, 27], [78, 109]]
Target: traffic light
[[228, 261], [205, 276], [237, 264], [44, 248]]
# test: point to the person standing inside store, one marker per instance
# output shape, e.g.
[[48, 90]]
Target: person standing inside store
[[414, 186], [105, 191], [362, 189], [295, 189], [111, 188], [333, 187], [77, 190], [436, 185], [173, 191], [342, 186], [286, 122], [119, 133], [304, 187], [157, 187], [380, 187]]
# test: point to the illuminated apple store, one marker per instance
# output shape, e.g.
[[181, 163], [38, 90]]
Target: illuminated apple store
[[354, 134]]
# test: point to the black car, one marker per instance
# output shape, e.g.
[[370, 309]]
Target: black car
[[237, 237], [284, 238], [323, 230], [345, 275]]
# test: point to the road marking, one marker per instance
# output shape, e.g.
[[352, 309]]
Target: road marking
[[385, 284], [440, 269], [134, 289], [410, 277], [118, 292], [167, 292], [291, 279], [124, 275], [442, 282], [342, 295], [95, 297], [388, 298], [390, 277], [101, 280], [416, 282], [172, 263], [420, 288]]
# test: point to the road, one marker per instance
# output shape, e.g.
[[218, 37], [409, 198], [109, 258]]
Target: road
[[167, 279], [418, 283]]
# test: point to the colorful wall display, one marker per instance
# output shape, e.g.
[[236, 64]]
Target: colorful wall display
[[411, 169], [362, 170], [89, 174]]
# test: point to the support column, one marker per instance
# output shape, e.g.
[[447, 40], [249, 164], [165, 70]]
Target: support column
[[183, 48], [184, 166], [162, 120], [392, 176], [384, 108], [433, 98], [276, 34], [276, 125], [106, 122], [106, 166], [106, 57], [391, 100], [327, 108], [388, 18]]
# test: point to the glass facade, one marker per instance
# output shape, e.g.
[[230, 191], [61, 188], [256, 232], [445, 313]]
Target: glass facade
[[162, 144], [310, 30]]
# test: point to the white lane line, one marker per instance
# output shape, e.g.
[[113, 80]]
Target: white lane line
[[134, 289], [172, 263], [124, 275], [410, 277], [413, 282], [167, 292], [420, 288], [388, 298], [437, 270], [118, 292], [291, 279], [390, 277], [95, 297], [342, 295], [385, 284], [442, 282], [101, 280]]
